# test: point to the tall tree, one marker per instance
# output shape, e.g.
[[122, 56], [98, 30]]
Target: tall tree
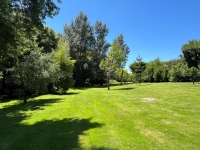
[[24, 45], [112, 62], [80, 36], [100, 49], [138, 68], [7, 34], [124, 47], [66, 65], [21, 15], [101, 45], [191, 53]]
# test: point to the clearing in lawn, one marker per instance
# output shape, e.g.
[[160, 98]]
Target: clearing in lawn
[[150, 116]]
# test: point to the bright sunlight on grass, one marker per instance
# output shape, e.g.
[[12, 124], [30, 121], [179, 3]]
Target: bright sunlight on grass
[[150, 116]]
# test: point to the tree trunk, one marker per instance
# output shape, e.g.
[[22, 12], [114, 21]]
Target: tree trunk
[[108, 82], [25, 98], [101, 79], [122, 76]]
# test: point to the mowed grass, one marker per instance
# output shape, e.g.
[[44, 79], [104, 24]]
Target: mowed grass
[[95, 118]]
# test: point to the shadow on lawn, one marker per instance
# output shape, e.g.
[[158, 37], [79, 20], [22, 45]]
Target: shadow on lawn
[[32, 104], [46, 134], [98, 86], [125, 89], [7, 98], [68, 93]]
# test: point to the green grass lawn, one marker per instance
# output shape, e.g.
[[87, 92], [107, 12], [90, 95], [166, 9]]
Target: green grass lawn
[[95, 118]]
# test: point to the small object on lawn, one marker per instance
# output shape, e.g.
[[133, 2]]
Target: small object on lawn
[[149, 99]]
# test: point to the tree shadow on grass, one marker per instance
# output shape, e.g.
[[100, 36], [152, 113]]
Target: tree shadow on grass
[[94, 86], [4, 100], [125, 89], [68, 93], [143, 84], [31, 105], [56, 134], [7, 99]]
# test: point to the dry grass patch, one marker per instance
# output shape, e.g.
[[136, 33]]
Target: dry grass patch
[[149, 99]]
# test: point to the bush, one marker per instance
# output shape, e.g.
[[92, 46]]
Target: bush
[[61, 91]]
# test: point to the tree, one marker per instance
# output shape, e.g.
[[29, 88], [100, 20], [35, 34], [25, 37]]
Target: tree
[[19, 19], [66, 65], [21, 15], [34, 72], [191, 53], [81, 39], [156, 71], [101, 47], [7, 34], [149, 72], [125, 49], [112, 62], [88, 46], [138, 68], [32, 12], [180, 72], [24, 46]]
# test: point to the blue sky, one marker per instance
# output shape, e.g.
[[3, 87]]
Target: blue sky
[[151, 28]]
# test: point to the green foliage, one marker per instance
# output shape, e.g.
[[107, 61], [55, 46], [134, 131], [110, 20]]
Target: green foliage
[[80, 36], [137, 68], [7, 31], [124, 47], [180, 72], [118, 74], [34, 11], [191, 53], [195, 74], [47, 39], [66, 65], [34, 72], [88, 46], [156, 71], [113, 61], [19, 19], [1, 75], [159, 70], [101, 45], [61, 91], [149, 72], [99, 53]]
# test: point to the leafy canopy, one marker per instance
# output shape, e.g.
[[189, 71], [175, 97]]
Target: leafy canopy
[[191, 53]]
